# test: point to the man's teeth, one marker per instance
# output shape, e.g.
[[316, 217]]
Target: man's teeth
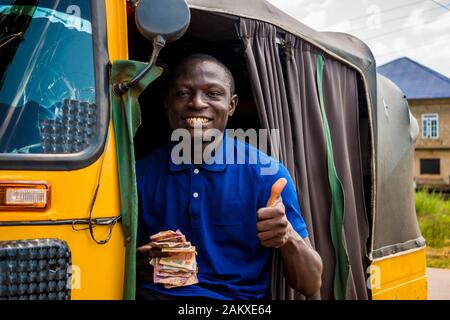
[[197, 120]]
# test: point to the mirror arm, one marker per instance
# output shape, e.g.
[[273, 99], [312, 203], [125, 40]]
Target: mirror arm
[[122, 87], [134, 3]]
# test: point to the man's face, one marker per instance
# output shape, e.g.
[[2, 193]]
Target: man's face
[[200, 97]]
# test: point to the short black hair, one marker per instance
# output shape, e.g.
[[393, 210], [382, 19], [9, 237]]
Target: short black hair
[[204, 57]]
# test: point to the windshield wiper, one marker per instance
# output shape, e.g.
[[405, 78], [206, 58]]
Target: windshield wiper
[[10, 38]]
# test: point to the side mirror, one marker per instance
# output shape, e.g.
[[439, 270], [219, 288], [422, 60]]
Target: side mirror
[[160, 22], [168, 19]]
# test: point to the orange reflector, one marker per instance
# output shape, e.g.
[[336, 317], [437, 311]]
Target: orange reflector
[[23, 195]]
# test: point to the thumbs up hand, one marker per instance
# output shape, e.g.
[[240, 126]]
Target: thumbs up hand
[[273, 226]]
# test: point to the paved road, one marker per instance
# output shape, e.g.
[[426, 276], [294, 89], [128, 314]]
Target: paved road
[[438, 284]]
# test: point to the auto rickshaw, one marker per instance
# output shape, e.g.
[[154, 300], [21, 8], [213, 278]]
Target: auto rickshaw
[[76, 85]]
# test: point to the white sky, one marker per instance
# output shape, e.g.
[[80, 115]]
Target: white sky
[[418, 29]]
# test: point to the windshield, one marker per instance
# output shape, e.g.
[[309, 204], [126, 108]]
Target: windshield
[[47, 82]]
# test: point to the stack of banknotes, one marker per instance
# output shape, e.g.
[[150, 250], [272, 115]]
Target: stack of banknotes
[[179, 268]]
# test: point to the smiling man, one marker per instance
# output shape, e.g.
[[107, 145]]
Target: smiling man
[[219, 205]]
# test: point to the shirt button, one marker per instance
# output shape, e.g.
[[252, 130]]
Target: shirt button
[[196, 171], [195, 195]]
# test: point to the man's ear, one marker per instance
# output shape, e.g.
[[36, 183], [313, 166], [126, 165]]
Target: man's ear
[[233, 104]]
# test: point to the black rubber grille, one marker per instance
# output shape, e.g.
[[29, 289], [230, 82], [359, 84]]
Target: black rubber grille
[[37, 269]]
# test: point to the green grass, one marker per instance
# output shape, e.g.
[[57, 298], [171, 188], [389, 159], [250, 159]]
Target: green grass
[[438, 258], [433, 212], [428, 203]]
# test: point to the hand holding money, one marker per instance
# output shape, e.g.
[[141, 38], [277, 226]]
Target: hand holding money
[[178, 267], [144, 270], [273, 226]]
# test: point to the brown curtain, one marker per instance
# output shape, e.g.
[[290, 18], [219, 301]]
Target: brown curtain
[[284, 87], [267, 80], [341, 104], [314, 191]]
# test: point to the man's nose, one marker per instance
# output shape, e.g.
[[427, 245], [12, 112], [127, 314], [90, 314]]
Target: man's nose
[[198, 101]]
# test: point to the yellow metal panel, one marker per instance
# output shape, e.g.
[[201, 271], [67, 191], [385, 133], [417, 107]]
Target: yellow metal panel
[[101, 266], [71, 192], [401, 277], [116, 20], [97, 269]]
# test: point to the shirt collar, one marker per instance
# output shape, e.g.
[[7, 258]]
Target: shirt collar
[[217, 163]]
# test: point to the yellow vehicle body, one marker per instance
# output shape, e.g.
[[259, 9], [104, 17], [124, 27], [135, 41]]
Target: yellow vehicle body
[[98, 270], [99, 267], [401, 277]]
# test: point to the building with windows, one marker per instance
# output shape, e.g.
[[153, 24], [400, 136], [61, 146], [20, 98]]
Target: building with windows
[[428, 94]]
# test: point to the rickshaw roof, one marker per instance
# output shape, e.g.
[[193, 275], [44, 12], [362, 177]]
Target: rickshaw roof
[[343, 46]]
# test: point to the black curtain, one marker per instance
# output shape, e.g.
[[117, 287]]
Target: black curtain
[[283, 78]]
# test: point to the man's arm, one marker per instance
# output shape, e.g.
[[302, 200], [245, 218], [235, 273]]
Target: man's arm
[[302, 265]]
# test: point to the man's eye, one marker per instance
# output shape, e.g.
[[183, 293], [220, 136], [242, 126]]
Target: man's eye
[[214, 93], [182, 93]]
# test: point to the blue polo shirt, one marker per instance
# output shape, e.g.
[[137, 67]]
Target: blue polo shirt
[[215, 206]]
